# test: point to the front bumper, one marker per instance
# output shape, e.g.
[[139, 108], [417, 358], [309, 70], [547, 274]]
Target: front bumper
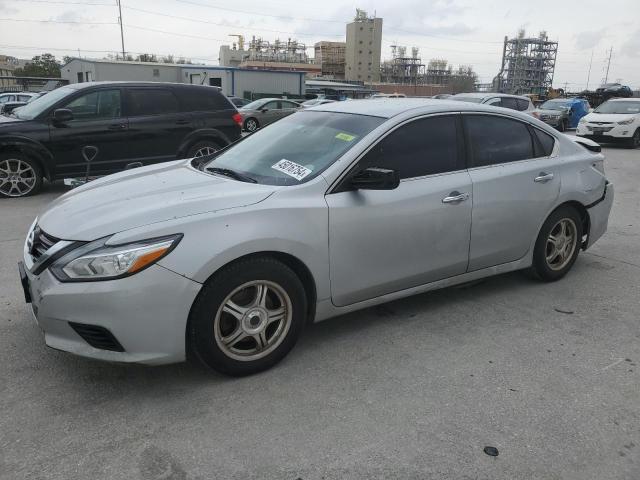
[[599, 215], [147, 313], [617, 132]]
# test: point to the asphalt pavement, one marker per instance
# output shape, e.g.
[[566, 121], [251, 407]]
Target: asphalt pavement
[[549, 374]]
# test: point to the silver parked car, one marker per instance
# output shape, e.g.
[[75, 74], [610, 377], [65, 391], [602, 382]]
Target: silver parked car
[[504, 100], [265, 111], [333, 209]]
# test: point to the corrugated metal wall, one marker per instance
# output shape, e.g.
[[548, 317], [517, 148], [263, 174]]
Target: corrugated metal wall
[[274, 83], [101, 71]]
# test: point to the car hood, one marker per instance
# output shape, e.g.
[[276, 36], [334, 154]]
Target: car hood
[[143, 196], [6, 120], [606, 117]]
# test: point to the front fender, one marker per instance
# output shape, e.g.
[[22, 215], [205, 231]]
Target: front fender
[[202, 134], [31, 148]]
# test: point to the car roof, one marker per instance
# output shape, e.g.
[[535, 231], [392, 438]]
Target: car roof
[[390, 107], [80, 86]]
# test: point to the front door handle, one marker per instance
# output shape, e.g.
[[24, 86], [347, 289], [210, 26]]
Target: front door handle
[[182, 121], [456, 197], [543, 177], [118, 126]]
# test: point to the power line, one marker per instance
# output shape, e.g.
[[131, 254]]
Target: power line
[[56, 21]]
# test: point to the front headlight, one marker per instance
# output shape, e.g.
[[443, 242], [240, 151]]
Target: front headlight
[[97, 261], [628, 121], [583, 120]]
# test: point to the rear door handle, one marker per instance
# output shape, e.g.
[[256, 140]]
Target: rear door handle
[[182, 121], [456, 197], [118, 126], [543, 177]]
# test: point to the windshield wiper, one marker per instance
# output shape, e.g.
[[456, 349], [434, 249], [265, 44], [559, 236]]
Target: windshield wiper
[[227, 172]]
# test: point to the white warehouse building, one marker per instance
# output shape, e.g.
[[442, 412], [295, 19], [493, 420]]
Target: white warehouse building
[[246, 83]]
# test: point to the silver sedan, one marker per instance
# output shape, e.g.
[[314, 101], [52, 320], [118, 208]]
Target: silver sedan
[[262, 112], [333, 209]]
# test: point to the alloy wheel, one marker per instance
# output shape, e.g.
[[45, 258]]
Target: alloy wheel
[[253, 320], [251, 125], [206, 150], [561, 244], [17, 177]]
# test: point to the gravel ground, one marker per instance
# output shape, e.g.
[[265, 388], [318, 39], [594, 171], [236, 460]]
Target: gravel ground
[[546, 373]]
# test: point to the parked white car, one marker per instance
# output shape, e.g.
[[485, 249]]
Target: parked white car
[[616, 120]]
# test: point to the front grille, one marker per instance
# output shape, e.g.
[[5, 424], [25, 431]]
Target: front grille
[[41, 243], [97, 337], [601, 129]]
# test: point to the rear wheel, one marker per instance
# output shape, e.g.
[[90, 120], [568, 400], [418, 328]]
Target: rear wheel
[[251, 125], [202, 149], [563, 126], [558, 244], [247, 317], [20, 176]]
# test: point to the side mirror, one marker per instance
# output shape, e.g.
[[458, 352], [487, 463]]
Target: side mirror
[[62, 115], [374, 178]]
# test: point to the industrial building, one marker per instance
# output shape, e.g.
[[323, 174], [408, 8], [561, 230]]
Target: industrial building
[[363, 48], [330, 56], [403, 69], [528, 64], [263, 54], [241, 82]]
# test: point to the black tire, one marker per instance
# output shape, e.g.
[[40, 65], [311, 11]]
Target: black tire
[[203, 343], [541, 267], [199, 149], [251, 124], [563, 126], [634, 142], [30, 181]]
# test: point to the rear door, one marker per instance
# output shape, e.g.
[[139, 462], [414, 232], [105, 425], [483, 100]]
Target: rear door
[[382, 241], [270, 112], [287, 108], [156, 123], [98, 122], [516, 182]]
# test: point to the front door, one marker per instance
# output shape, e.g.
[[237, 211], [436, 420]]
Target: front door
[[97, 122], [515, 184], [382, 241]]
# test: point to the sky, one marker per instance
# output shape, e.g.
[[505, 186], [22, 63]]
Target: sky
[[465, 32]]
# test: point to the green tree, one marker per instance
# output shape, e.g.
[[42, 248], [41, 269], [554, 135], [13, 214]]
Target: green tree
[[44, 65]]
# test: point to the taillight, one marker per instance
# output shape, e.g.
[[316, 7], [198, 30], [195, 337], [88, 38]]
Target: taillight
[[237, 118]]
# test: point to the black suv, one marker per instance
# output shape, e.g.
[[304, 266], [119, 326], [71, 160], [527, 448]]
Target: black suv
[[116, 123]]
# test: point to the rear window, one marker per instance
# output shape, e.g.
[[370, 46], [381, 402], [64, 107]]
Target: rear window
[[545, 143], [152, 101], [202, 99], [522, 104]]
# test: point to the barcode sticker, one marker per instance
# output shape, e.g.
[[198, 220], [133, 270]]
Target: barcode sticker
[[292, 169]]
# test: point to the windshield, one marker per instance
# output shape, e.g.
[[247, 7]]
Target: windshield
[[625, 107], [35, 107], [297, 148], [255, 105], [467, 99], [554, 105]]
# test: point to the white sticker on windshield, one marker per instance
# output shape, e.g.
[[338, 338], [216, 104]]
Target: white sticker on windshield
[[292, 169]]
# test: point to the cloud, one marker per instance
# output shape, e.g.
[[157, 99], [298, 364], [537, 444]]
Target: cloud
[[631, 47], [588, 40], [5, 8]]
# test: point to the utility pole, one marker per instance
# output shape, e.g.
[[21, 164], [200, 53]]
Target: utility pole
[[589, 74], [606, 77], [121, 30]]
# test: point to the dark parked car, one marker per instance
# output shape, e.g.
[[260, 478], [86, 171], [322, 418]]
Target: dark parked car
[[609, 90], [124, 122]]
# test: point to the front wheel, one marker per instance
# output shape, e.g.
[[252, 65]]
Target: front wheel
[[563, 126], [634, 142], [247, 317], [558, 244], [20, 176]]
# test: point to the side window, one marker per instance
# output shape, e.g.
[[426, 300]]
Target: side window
[[494, 140], [545, 143], [202, 99], [96, 105], [423, 147], [508, 102], [7, 98], [23, 98], [493, 101], [522, 104], [271, 106], [152, 101], [288, 104]]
